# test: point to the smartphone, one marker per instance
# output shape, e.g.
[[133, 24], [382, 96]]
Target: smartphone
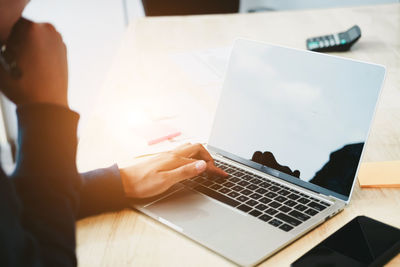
[[361, 242]]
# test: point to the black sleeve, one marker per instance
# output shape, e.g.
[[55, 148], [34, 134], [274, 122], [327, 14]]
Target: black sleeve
[[101, 191], [47, 187]]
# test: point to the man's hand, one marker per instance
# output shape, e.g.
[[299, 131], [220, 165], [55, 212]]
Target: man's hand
[[157, 174], [41, 55]]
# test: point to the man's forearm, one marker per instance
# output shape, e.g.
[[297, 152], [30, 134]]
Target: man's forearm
[[102, 191]]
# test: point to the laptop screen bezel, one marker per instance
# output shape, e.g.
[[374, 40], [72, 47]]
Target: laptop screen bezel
[[284, 176]]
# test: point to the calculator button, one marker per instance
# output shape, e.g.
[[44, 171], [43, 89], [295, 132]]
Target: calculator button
[[336, 37]]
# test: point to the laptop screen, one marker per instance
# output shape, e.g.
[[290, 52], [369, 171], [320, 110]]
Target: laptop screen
[[298, 115]]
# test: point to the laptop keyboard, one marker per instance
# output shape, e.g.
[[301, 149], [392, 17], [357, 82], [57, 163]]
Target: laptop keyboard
[[271, 202]]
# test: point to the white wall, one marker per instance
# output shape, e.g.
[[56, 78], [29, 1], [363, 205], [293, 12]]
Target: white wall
[[92, 30], [245, 5]]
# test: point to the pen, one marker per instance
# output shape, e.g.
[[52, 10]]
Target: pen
[[8, 64]]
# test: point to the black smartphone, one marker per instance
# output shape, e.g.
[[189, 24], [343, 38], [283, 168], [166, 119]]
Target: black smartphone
[[361, 242], [341, 41]]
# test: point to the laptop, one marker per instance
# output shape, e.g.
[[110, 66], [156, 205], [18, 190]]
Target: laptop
[[290, 129]]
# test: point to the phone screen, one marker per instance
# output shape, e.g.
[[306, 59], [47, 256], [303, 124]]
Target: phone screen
[[361, 242]]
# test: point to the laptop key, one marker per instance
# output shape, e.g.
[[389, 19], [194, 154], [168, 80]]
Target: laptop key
[[261, 191], [300, 207], [252, 187], [243, 183], [274, 188], [265, 184], [280, 199], [316, 206], [293, 196], [274, 204], [284, 192], [265, 200], [255, 213], [238, 174], [270, 195], [246, 192], [255, 181], [208, 183], [324, 203], [271, 211], [252, 202], [255, 196], [285, 209], [233, 194], [242, 198], [247, 177], [220, 180], [230, 170], [275, 222], [224, 190], [261, 207], [216, 187], [265, 217], [217, 196], [285, 227], [303, 200], [237, 188], [299, 215], [228, 184], [288, 219], [311, 212], [212, 177], [290, 203], [244, 208], [234, 179]]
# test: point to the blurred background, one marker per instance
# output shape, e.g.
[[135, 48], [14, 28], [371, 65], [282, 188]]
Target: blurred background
[[93, 29]]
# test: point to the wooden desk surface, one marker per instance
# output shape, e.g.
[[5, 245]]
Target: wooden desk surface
[[144, 78]]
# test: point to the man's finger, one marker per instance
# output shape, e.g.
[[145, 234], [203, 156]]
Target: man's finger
[[215, 170], [198, 151], [194, 151], [185, 172], [19, 33], [173, 162]]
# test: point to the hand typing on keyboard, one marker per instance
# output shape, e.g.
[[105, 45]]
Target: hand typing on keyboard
[[157, 174]]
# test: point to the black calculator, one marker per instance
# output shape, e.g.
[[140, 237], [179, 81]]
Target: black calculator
[[335, 42]]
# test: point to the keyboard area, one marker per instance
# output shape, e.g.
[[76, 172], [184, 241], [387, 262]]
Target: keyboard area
[[269, 201]]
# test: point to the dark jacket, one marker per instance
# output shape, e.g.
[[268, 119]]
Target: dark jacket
[[44, 196]]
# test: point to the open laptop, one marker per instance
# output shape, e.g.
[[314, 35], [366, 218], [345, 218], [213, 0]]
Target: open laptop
[[290, 130]]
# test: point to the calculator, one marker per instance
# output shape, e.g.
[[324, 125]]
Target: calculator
[[341, 41]]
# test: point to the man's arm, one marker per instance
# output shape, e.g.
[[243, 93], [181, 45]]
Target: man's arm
[[101, 191], [47, 183]]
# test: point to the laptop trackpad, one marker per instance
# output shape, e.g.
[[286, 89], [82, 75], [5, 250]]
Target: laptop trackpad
[[219, 227], [194, 213]]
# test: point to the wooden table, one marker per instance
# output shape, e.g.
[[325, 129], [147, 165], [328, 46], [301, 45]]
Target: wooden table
[[145, 79]]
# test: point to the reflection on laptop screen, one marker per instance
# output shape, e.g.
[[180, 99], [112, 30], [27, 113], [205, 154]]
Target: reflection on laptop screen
[[301, 113]]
